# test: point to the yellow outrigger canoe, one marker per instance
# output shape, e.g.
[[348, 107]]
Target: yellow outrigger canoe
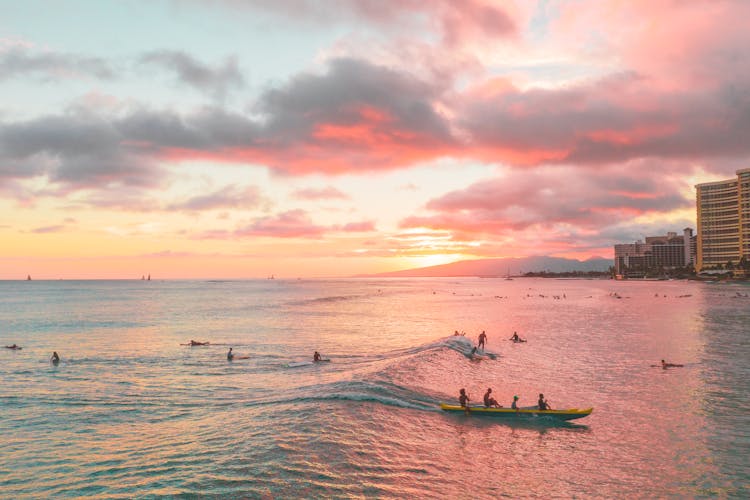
[[569, 414]]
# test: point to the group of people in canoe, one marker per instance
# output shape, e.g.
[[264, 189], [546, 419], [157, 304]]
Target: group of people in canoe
[[491, 402]]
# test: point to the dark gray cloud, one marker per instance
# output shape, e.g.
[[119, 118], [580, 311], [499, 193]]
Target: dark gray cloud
[[78, 150], [49, 66], [314, 124], [217, 80], [352, 92], [612, 120]]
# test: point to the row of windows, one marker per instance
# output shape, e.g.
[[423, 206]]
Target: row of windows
[[718, 199], [720, 241], [717, 232], [714, 187], [714, 205], [723, 213]]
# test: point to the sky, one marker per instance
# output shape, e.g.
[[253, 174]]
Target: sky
[[311, 138]]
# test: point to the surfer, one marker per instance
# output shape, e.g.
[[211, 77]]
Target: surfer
[[14, 346], [230, 355], [463, 400], [55, 358], [542, 403], [482, 340], [489, 401], [193, 343], [514, 405], [666, 365], [516, 338], [316, 357]]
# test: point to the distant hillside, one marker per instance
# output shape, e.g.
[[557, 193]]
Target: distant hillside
[[502, 267]]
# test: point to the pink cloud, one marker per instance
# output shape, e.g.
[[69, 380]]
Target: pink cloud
[[291, 224], [326, 193], [566, 209], [358, 227]]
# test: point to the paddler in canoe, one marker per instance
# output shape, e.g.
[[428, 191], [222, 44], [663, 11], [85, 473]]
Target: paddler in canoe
[[489, 401], [543, 404], [463, 400]]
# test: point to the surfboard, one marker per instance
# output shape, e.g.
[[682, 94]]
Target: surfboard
[[295, 364]]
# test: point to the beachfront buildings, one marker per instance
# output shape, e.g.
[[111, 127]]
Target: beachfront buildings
[[724, 223], [656, 255]]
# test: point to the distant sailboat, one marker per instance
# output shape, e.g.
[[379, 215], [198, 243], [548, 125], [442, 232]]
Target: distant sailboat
[[271, 277], [28, 277], [507, 276], [143, 277], [149, 278]]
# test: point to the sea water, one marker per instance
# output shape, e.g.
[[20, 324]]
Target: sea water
[[131, 412]]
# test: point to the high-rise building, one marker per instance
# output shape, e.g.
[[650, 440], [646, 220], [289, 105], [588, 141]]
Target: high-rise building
[[635, 260], [723, 222]]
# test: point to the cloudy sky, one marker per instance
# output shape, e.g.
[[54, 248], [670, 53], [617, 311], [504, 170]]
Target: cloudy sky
[[244, 138]]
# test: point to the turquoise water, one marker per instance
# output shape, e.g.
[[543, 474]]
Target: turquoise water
[[129, 412]]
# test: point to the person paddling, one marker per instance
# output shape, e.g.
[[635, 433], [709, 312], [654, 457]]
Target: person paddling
[[489, 401], [666, 365], [542, 403], [463, 399]]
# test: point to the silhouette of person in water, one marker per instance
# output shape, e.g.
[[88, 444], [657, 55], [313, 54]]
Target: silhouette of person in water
[[666, 365], [55, 358], [230, 354], [316, 356]]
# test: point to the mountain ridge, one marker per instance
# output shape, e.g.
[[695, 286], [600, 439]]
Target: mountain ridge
[[513, 266]]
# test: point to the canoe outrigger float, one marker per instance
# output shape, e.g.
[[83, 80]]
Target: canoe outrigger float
[[569, 414]]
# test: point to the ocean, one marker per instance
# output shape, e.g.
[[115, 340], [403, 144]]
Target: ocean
[[130, 412]]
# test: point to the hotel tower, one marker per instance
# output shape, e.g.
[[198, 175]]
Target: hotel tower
[[723, 221]]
